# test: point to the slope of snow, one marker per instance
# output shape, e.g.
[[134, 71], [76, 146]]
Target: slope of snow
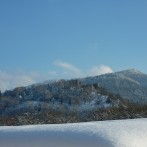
[[119, 133]]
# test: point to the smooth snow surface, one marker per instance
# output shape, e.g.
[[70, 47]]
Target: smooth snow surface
[[119, 133]]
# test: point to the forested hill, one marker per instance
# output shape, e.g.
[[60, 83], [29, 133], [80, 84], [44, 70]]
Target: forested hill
[[76, 100]]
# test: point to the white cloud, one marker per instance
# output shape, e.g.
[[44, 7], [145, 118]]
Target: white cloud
[[99, 70], [10, 80], [69, 68]]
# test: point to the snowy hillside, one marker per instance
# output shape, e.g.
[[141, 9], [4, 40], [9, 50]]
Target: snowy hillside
[[131, 84], [58, 102], [120, 133], [119, 95]]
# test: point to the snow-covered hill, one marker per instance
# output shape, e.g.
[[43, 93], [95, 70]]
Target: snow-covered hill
[[103, 97], [120, 133], [131, 84], [62, 94]]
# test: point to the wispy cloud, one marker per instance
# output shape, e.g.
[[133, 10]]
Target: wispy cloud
[[99, 70], [10, 80], [68, 68]]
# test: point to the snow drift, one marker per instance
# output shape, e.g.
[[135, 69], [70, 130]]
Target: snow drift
[[119, 133]]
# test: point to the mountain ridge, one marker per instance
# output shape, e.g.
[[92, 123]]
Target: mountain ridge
[[109, 96], [131, 84]]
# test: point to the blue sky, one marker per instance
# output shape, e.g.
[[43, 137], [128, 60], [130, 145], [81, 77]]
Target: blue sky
[[53, 39]]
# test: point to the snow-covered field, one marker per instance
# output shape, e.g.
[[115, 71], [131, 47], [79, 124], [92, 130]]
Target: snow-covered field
[[119, 133]]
